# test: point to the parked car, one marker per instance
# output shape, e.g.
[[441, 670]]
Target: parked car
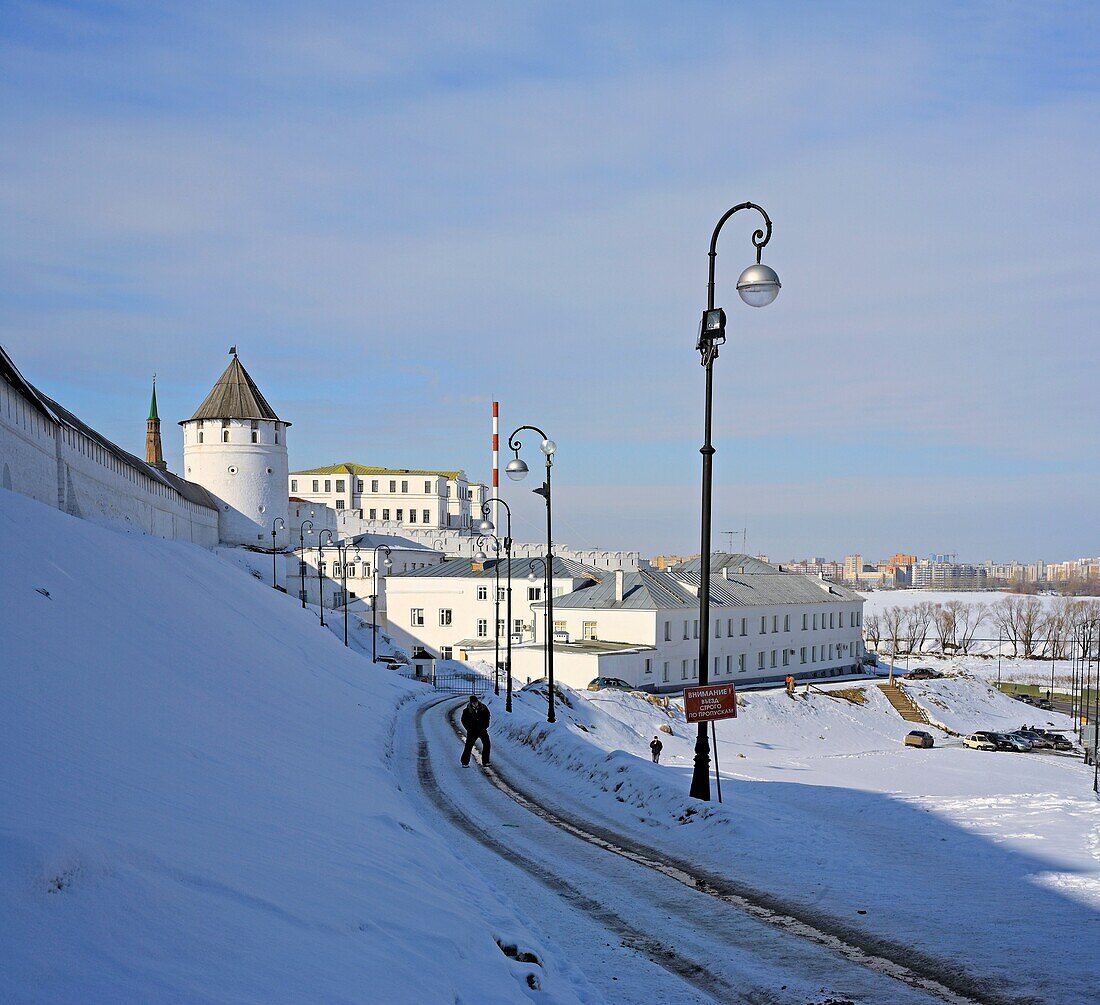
[[1010, 741], [919, 738], [609, 684], [997, 739], [978, 742], [1045, 704], [1059, 741], [923, 673], [1037, 740], [1025, 698]]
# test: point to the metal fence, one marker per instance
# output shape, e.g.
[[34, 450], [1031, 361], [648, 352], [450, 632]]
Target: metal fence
[[452, 683]]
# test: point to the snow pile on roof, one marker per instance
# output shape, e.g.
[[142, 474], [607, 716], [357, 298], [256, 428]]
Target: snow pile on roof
[[826, 809], [195, 798]]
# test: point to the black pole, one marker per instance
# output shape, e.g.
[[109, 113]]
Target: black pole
[[717, 772], [508, 681], [344, 587], [550, 715], [374, 625], [496, 621], [274, 573], [321, 584], [302, 558]]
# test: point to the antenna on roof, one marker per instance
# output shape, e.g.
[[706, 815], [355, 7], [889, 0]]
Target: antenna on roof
[[232, 350]]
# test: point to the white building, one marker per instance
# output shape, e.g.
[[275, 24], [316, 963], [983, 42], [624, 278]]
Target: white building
[[235, 446], [303, 569], [643, 627], [450, 608], [401, 497]]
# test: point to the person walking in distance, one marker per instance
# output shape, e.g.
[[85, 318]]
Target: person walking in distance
[[475, 720], [656, 747]]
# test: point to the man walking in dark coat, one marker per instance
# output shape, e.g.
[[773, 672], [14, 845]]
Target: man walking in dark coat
[[475, 720], [656, 746]]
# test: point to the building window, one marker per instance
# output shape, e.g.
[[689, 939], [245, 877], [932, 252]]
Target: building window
[[589, 630], [502, 627], [687, 634], [427, 516], [786, 622], [715, 666], [763, 624], [696, 628], [559, 627], [502, 594], [446, 616], [729, 629], [773, 658], [200, 436], [374, 485], [255, 431], [760, 660], [786, 657], [744, 626], [416, 617], [427, 488], [225, 436], [404, 486], [400, 515], [741, 663], [729, 663], [293, 484], [517, 626], [315, 485], [276, 437], [339, 503], [483, 593], [775, 622], [482, 628], [664, 673], [374, 514], [683, 669], [385, 514], [445, 652], [339, 484], [534, 593], [815, 622], [358, 484], [803, 654], [717, 629], [328, 484], [393, 486], [813, 654], [668, 631], [649, 666]]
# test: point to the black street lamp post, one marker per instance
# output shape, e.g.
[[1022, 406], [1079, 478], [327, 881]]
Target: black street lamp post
[[532, 578], [486, 527], [517, 469], [302, 557], [342, 558], [274, 572], [374, 597], [321, 571], [757, 286], [481, 557]]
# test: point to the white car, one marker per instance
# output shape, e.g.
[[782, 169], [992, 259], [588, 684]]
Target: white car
[[976, 742]]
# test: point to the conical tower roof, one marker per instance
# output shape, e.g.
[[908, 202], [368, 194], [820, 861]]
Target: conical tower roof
[[235, 396], [153, 403]]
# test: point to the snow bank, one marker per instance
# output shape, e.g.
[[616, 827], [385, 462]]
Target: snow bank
[[195, 801], [966, 703], [825, 808]]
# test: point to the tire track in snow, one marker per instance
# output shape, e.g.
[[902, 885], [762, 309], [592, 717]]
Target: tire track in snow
[[933, 977]]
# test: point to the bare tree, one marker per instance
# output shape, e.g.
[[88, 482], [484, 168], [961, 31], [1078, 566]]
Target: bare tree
[[944, 621], [893, 620], [1031, 624], [917, 625], [1006, 615], [967, 619], [872, 630]]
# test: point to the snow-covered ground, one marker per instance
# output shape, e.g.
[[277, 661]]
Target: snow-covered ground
[[988, 862], [197, 800]]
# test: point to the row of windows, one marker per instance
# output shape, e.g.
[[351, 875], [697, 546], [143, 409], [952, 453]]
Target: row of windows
[[255, 432], [829, 619], [360, 484], [763, 660], [533, 593], [400, 517], [333, 570], [446, 619]]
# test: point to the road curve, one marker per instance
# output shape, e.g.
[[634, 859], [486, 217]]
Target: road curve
[[709, 947]]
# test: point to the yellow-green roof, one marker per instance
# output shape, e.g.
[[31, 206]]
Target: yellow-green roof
[[362, 469]]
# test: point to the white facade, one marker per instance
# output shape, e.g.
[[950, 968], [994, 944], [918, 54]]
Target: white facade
[[454, 604], [47, 453], [402, 498], [818, 633]]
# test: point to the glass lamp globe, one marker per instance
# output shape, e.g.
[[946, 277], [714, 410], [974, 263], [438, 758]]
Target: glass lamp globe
[[481, 556], [549, 447], [388, 563], [486, 527], [758, 285], [531, 575], [517, 469]]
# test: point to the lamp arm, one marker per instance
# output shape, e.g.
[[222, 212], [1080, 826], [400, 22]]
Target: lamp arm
[[760, 239]]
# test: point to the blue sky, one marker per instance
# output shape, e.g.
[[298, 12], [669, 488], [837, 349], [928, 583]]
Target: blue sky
[[399, 212]]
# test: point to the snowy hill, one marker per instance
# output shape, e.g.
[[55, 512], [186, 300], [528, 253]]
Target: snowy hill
[[195, 802]]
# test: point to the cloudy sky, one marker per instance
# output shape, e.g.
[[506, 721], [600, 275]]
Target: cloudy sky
[[399, 212]]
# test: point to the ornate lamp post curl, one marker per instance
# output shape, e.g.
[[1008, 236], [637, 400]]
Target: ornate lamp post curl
[[517, 469], [302, 560], [757, 286], [486, 527]]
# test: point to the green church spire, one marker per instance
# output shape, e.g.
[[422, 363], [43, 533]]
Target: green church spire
[[153, 403]]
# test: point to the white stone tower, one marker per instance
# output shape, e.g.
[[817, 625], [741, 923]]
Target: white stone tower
[[235, 446]]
